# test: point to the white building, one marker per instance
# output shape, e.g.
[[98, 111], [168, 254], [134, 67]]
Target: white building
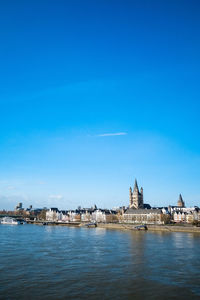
[[53, 215]]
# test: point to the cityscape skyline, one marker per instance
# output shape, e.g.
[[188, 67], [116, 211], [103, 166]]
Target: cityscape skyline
[[94, 95], [131, 201]]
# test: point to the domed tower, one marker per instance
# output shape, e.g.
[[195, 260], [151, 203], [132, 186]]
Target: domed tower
[[180, 203]]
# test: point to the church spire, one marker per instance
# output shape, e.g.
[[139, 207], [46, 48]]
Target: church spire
[[181, 203], [136, 186]]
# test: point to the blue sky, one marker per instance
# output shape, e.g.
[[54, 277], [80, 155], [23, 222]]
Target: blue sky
[[94, 94]]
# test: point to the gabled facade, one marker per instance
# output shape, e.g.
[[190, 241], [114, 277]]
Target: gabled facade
[[53, 215], [104, 216]]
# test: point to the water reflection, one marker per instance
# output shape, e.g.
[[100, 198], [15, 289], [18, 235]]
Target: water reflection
[[49, 262]]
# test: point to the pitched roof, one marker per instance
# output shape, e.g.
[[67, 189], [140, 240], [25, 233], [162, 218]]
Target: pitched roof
[[142, 211]]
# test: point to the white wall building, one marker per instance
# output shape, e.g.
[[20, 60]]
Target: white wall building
[[53, 215]]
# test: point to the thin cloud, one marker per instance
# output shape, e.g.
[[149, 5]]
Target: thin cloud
[[41, 182], [57, 197], [113, 134], [11, 187], [4, 182]]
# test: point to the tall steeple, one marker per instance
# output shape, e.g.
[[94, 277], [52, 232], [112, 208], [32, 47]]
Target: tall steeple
[[180, 203], [136, 186], [130, 197]]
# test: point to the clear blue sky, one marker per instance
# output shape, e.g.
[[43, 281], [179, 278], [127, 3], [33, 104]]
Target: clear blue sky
[[94, 94]]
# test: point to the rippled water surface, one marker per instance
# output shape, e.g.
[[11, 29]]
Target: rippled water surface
[[48, 262]]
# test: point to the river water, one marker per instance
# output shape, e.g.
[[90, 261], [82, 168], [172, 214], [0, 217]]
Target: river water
[[49, 262]]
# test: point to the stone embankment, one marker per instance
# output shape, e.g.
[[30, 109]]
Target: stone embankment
[[166, 228]]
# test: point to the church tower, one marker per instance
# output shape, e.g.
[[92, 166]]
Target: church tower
[[180, 203], [130, 197], [136, 197]]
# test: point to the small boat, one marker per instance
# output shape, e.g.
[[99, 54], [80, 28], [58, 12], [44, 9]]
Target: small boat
[[22, 222], [9, 221], [91, 224], [141, 227]]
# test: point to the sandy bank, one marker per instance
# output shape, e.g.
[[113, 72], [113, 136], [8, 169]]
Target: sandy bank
[[166, 228], [116, 226]]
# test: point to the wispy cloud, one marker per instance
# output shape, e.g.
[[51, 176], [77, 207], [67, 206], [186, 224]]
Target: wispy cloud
[[4, 182], [113, 134], [11, 187], [56, 197], [41, 182]]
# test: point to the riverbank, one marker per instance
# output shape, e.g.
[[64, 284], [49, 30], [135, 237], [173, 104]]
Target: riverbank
[[122, 226], [166, 228]]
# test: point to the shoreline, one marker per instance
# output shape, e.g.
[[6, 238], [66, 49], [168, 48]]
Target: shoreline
[[163, 228], [130, 227]]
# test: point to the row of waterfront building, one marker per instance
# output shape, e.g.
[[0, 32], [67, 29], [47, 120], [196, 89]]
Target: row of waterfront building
[[136, 212], [82, 215]]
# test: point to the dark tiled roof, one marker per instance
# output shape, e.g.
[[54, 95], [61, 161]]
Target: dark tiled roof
[[160, 207], [142, 211], [54, 209], [146, 205]]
